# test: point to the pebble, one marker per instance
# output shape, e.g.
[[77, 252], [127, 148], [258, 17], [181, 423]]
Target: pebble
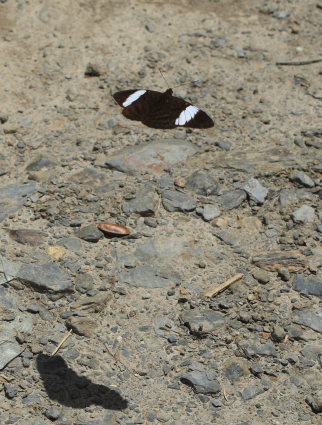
[[201, 322], [53, 413], [13, 196], [232, 199], [252, 391], [309, 319], [90, 233], [255, 190], [203, 382], [208, 212], [307, 285], [261, 276], [315, 401], [173, 200], [203, 183], [27, 236], [10, 390], [145, 203], [149, 277], [303, 179], [304, 214], [42, 161]]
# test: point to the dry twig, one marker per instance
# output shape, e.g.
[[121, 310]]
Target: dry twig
[[215, 291], [62, 342], [299, 63]]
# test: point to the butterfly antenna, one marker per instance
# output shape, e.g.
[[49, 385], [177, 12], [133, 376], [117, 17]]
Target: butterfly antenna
[[164, 78], [187, 82]]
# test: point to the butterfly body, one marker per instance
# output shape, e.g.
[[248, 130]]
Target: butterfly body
[[161, 110]]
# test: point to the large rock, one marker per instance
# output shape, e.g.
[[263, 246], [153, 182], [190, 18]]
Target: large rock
[[13, 196]]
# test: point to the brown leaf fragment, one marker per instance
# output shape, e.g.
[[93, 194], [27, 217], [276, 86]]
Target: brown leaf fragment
[[114, 229], [274, 260]]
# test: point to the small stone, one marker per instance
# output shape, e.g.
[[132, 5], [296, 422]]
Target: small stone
[[203, 183], [90, 233], [223, 144], [261, 276], [309, 319], [284, 274], [202, 322], [202, 382], [252, 391], [92, 70], [303, 179], [27, 236], [178, 201], [255, 190], [41, 162], [209, 212], [308, 285], [278, 334], [304, 214], [232, 199], [53, 413], [315, 401], [10, 390], [83, 326], [235, 369], [145, 203], [288, 197]]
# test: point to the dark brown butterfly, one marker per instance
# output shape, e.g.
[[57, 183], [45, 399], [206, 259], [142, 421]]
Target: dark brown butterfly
[[161, 110]]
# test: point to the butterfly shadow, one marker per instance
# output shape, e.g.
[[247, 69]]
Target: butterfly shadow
[[64, 386]]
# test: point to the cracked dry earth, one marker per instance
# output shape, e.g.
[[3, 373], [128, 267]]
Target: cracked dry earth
[[145, 345]]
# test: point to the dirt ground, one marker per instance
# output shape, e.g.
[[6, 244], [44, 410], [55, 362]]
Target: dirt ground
[[256, 68]]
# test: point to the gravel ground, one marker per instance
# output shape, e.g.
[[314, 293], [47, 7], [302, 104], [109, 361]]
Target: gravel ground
[[143, 342]]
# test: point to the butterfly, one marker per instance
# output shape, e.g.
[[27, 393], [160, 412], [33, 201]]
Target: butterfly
[[161, 110]]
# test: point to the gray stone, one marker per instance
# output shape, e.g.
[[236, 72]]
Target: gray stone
[[84, 326], [41, 162], [260, 350], [252, 391], [303, 179], [9, 348], [235, 369], [90, 233], [312, 132], [232, 199], [10, 390], [229, 237], [8, 270], [173, 200], [202, 322], [34, 398], [315, 401], [45, 277], [209, 212], [288, 197], [308, 285], [278, 333], [304, 214], [27, 236], [223, 144], [203, 183], [149, 277], [202, 382], [13, 196], [312, 352], [152, 157], [309, 319], [261, 276], [53, 413], [255, 190], [145, 203]]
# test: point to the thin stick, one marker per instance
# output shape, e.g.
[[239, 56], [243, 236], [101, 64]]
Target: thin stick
[[6, 377], [214, 291], [300, 63], [62, 342], [164, 78]]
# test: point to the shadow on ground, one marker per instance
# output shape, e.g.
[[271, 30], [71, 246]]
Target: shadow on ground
[[64, 386]]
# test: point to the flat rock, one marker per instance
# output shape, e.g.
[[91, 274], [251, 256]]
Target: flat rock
[[308, 285], [252, 391], [83, 326], [145, 203], [259, 350], [304, 214], [209, 212], [255, 190], [152, 157], [203, 183], [203, 382], [8, 270], [13, 196], [45, 277], [173, 200], [232, 199], [27, 236], [93, 304], [288, 197], [274, 260], [41, 162], [303, 179], [315, 401], [308, 319], [9, 348], [202, 322], [149, 277], [90, 233]]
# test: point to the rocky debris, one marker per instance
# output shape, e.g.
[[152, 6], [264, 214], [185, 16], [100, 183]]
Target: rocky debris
[[288, 197], [307, 285], [202, 322], [145, 203], [153, 157], [255, 190], [258, 350], [203, 382], [309, 319], [292, 260], [203, 183], [252, 391], [149, 277], [232, 199], [27, 236], [83, 326], [93, 304], [235, 369], [173, 200], [45, 277], [304, 214], [261, 276], [13, 196], [41, 162], [208, 212], [303, 179], [90, 233], [9, 348], [315, 401]]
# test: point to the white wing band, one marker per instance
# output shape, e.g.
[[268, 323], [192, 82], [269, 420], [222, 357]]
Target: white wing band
[[186, 115], [133, 97]]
